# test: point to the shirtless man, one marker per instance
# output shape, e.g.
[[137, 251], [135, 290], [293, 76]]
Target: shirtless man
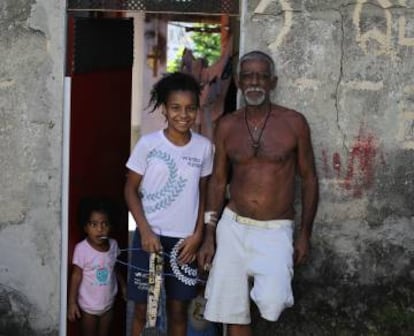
[[265, 145]]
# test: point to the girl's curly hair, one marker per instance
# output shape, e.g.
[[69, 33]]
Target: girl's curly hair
[[104, 205], [176, 81]]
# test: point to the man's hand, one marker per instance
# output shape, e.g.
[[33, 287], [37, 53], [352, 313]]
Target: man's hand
[[301, 252], [206, 254]]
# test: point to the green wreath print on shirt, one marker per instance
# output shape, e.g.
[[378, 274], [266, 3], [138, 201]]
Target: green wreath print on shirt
[[175, 184]]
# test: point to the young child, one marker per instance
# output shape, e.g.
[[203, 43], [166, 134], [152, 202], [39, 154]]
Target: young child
[[94, 280], [165, 192]]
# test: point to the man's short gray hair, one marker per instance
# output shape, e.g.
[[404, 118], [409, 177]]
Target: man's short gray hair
[[257, 55]]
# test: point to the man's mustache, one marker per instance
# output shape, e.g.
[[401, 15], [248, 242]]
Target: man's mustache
[[254, 89]]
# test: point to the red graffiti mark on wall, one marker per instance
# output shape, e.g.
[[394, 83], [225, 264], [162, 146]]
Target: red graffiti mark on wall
[[361, 164], [358, 175]]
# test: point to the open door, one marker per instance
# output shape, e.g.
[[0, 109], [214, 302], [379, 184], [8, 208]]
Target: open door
[[100, 56]]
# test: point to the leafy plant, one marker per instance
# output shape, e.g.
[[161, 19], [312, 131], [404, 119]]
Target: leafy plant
[[207, 45]]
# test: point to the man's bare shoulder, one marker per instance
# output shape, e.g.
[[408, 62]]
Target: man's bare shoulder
[[286, 112], [295, 119]]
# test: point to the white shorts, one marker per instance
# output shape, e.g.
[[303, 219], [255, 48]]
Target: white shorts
[[261, 250]]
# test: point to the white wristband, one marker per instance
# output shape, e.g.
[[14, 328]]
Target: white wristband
[[210, 218]]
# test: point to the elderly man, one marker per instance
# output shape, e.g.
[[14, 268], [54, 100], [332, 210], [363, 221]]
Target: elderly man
[[265, 146]]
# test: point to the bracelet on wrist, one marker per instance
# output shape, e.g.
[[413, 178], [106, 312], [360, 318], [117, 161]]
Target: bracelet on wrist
[[210, 217], [212, 224]]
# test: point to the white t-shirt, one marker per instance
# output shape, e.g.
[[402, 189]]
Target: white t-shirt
[[170, 183], [99, 284]]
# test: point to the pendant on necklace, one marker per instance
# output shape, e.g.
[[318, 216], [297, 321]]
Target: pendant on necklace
[[256, 147], [256, 139]]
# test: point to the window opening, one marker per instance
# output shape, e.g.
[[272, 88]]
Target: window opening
[[217, 7]]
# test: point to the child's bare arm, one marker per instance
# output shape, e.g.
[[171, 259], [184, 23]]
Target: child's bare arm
[[121, 282], [75, 280]]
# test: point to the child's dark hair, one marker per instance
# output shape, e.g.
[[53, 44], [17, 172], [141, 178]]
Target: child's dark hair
[[87, 205], [176, 81]]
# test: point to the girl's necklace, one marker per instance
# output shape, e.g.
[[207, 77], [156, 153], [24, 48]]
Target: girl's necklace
[[256, 141]]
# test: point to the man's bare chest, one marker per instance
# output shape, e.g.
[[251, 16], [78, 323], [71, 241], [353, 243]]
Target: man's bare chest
[[272, 147]]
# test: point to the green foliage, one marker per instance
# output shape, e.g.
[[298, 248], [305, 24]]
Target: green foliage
[[174, 65], [206, 46]]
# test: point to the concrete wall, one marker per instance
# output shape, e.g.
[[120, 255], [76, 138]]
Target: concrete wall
[[348, 66], [31, 89]]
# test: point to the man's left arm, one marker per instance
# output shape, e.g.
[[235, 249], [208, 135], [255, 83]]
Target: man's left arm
[[310, 191]]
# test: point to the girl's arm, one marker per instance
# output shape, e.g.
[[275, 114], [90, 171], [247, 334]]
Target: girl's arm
[[75, 280], [201, 207], [149, 241], [190, 245], [121, 282]]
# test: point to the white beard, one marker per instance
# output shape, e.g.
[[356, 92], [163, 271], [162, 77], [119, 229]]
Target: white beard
[[254, 101]]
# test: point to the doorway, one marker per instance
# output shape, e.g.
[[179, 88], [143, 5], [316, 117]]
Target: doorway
[[113, 60]]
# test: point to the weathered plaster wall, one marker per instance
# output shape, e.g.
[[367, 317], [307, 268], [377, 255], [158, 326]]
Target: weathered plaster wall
[[348, 66], [31, 88]]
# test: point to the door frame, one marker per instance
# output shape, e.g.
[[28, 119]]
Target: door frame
[[67, 86], [65, 206]]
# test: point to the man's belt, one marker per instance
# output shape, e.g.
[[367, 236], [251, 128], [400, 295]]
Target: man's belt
[[265, 224]]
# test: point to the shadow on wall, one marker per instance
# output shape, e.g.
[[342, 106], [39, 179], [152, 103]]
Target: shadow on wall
[[329, 304], [15, 312]]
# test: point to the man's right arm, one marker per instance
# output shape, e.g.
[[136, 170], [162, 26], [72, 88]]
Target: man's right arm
[[215, 194]]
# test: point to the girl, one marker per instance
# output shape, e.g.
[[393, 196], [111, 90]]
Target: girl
[[165, 192], [93, 284]]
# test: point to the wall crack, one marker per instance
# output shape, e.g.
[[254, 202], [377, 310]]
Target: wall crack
[[340, 77]]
